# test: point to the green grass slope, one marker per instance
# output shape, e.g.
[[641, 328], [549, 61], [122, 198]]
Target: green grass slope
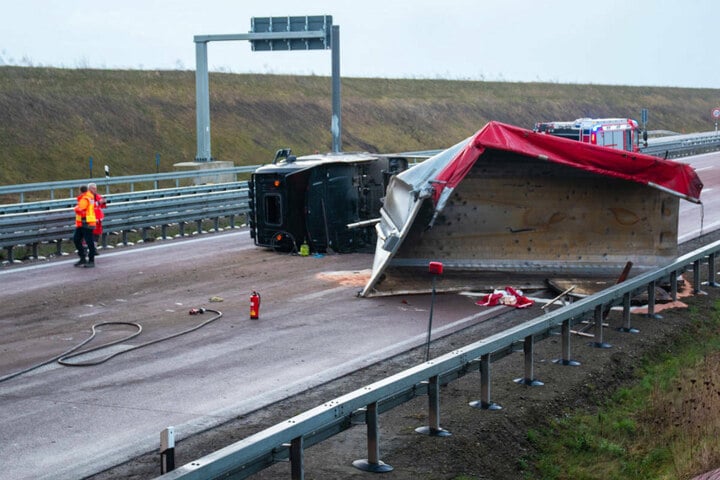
[[53, 120]]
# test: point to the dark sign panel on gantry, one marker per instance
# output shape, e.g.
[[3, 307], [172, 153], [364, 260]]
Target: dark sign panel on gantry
[[294, 30]]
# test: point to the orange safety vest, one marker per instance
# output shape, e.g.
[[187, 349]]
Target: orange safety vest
[[85, 209]]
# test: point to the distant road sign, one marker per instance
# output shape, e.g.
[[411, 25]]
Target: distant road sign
[[295, 33], [716, 112]]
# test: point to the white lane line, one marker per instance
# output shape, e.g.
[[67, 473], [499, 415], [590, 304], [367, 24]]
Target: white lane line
[[144, 248]]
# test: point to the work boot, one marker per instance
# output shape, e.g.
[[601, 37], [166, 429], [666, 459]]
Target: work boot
[[81, 262], [90, 265]]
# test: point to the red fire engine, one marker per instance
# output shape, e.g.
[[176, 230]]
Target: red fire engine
[[619, 133]]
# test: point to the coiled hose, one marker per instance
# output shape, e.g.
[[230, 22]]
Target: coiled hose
[[63, 358]]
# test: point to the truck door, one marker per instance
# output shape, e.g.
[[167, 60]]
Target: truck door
[[331, 203]]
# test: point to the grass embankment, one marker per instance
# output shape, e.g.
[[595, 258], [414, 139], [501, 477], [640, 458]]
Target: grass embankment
[[52, 120], [666, 426]]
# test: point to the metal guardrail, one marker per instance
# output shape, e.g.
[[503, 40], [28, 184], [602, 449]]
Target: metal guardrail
[[46, 205], [71, 186], [683, 145], [57, 225], [288, 439]]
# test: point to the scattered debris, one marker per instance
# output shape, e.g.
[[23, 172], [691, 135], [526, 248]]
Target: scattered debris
[[509, 296], [346, 278]]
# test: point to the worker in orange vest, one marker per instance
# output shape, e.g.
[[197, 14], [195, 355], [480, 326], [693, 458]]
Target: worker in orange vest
[[84, 226]]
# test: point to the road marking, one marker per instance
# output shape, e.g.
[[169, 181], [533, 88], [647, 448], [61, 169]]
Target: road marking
[[209, 237]]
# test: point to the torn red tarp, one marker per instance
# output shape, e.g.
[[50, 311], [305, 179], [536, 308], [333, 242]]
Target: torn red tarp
[[675, 177], [509, 296]]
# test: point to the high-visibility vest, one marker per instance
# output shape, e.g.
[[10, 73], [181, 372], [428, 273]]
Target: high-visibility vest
[[85, 209]]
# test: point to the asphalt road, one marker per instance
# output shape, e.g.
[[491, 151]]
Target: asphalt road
[[59, 422], [696, 220]]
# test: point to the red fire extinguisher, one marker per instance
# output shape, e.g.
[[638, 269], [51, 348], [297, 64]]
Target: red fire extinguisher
[[254, 306]]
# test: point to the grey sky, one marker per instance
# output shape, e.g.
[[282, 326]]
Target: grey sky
[[617, 42]]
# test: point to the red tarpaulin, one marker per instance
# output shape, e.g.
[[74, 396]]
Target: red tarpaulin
[[677, 178]]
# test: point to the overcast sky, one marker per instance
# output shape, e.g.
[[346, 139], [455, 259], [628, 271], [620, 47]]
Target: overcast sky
[[615, 42]]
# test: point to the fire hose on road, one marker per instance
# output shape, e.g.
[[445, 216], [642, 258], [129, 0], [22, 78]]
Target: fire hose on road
[[65, 357]]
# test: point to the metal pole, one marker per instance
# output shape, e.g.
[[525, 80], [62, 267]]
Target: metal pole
[[711, 271], [336, 125], [433, 429], [432, 303], [373, 462], [485, 403], [202, 102], [297, 459], [167, 450]]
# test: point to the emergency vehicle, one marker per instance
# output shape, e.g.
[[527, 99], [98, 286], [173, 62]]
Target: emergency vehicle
[[311, 200], [618, 133]]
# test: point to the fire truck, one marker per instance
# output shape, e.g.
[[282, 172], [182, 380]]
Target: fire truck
[[311, 200], [618, 133]]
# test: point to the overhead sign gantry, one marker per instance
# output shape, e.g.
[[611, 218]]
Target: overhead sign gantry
[[268, 34]]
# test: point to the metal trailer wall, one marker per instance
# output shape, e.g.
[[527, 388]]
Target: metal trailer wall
[[537, 219]]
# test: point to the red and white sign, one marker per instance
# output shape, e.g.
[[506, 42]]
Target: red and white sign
[[716, 112]]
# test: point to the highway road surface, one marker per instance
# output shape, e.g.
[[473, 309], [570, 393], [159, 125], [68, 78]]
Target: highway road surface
[[60, 422]]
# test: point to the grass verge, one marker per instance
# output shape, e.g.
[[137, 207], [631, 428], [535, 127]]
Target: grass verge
[[666, 426]]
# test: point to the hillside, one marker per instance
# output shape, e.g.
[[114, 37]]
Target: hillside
[[53, 120]]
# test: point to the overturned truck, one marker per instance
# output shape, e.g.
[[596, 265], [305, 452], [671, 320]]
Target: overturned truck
[[310, 200], [510, 204]]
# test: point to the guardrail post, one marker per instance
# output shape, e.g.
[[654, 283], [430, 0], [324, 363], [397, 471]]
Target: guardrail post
[[651, 301], [167, 450], [673, 285], [626, 314], [433, 429], [9, 250], [297, 459], [711, 271], [598, 318], [484, 403], [565, 341], [696, 278], [373, 462], [528, 350]]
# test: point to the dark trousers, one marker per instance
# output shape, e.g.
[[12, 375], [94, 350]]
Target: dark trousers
[[85, 233]]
